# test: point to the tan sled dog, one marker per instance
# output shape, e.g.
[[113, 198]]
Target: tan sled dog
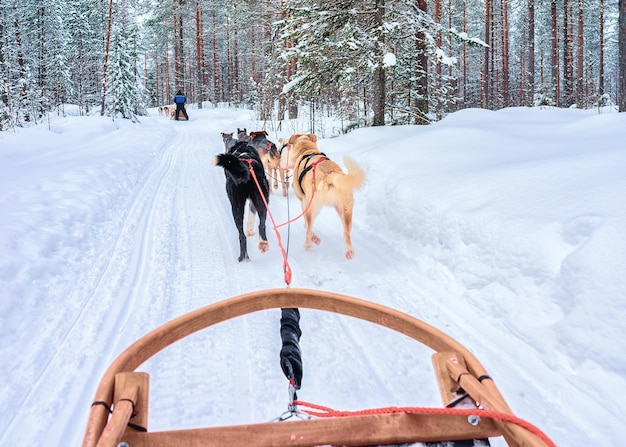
[[319, 181]]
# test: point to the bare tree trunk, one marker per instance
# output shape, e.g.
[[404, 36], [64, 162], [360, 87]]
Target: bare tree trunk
[[622, 55], [177, 67], [505, 54], [42, 73], [217, 75], [530, 81], [379, 91], [167, 89], [230, 76], [486, 86], [145, 71], [180, 74], [601, 57], [464, 96], [521, 91], [555, 54], [106, 58], [292, 104], [179, 59], [200, 67], [450, 38], [157, 79], [421, 89], [282, 98], [580, 94], [437, 75], [235, 89], [568, 71], [253, 46]]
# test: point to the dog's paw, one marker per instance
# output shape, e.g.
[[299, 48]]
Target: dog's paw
[[316, 239], [349, 254], [264, 246]]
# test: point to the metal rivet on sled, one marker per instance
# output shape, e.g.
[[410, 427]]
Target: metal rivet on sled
[[473, 420]]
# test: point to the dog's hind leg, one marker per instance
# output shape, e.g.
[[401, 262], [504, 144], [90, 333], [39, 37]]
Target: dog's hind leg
[[250, 225], [283, 181], [274, 172], [238, 211], [346, 217], [311, 237], [262, 212]]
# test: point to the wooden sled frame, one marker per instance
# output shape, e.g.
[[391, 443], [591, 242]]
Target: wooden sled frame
[[126, 391]]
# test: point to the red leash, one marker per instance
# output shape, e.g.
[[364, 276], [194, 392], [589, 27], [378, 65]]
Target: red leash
[[329, 412], [308, 205], [286, 266]]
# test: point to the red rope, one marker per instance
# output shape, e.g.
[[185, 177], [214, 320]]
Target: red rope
[[329, 412], [308, 205], [286, 266], [299, 215]]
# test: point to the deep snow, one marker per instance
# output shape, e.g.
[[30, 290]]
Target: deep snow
[[503, 229]]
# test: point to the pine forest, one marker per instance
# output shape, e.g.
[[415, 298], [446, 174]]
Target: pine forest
[[371, 62]]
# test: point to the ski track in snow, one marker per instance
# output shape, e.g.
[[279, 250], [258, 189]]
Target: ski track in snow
[[175, 250]]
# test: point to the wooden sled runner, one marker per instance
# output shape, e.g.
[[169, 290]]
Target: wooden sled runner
[[126, 392]]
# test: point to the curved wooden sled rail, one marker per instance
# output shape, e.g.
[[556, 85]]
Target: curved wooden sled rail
[[127, 391]]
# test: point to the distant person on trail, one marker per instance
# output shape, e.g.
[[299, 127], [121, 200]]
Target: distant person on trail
[[180, 101]]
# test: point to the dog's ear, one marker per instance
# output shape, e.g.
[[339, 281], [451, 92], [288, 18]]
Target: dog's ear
[[294, 138], [312, 137], [264, 133]]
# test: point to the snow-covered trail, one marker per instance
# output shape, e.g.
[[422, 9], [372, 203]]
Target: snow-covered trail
[[166, 238], [167, 246]]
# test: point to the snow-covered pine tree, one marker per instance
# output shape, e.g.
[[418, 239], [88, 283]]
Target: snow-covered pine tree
[[53, 61], [86, 53], [334, 47], [17, 50], [125, 93], [345, 45]]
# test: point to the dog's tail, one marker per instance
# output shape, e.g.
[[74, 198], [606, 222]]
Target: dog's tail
[[355, 177], [234, 168]]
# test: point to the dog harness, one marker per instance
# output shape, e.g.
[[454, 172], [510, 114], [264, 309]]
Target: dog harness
[[308, 167], [244, 152]]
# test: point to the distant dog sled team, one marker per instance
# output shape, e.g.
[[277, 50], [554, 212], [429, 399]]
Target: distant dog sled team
[[250, 159], [252, 163], [176, 111]]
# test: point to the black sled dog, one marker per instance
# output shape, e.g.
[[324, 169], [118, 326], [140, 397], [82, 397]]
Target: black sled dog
[[241, 187]]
